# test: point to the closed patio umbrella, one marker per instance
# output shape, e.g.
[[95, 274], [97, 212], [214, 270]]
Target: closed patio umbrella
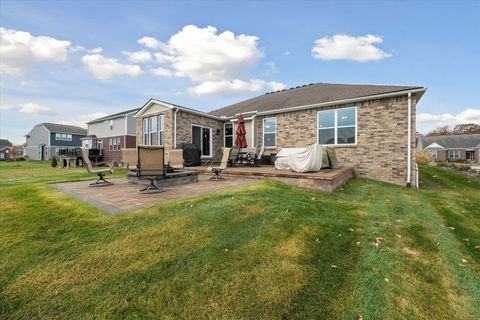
[[240, 141]]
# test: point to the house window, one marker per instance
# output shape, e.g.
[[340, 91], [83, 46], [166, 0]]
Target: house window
[[434, 154], [114, 144], [152, 125], [63, 137], [454, 154], [110, 124], [161, 129], [337, 126], [228, 135], [145, 131], [269, 132], [202, 138], [110, 144]]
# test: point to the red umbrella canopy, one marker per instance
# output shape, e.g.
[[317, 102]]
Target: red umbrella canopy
[[240, 141]]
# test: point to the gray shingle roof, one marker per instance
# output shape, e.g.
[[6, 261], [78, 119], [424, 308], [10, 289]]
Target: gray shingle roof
[[115, 115], [307, 95], [464, 141], [64, 128], [5, 143]]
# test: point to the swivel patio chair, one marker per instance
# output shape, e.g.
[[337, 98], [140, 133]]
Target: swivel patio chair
[[151, 166], [216, 170], [100, 172]]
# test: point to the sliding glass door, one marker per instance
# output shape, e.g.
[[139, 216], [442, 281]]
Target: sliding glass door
[[202, 138]]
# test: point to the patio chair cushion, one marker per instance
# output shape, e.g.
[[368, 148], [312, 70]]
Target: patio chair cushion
[[151, 161]]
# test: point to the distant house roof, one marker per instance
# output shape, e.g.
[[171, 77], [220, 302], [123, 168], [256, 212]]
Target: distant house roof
[[115, 115], [64, 128], [311, 94], [5, 143], [434, 146], [464, 141]]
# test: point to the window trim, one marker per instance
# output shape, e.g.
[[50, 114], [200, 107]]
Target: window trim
[[455, 151], [211, 139], [161, 129], [145, 133], [233, 133], [150, 131], [275, 133], [335, 127]]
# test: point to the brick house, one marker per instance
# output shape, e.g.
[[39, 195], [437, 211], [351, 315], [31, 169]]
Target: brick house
[[111, 134], [5, 149], [454, 148], [372, 127]]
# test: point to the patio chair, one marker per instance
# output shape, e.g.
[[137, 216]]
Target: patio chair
[[255, 159], [100, 172], [129, 158], [151, 166], [223, 165], [233, 156], [175, 159]]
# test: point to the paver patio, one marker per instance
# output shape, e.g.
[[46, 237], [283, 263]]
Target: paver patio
[[123, 196]]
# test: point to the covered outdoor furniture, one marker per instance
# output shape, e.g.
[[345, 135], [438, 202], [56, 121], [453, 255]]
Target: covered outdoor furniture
[[175, 159], [129, 158], [216, 170], [151, 166], [100, 172], [309, 159]]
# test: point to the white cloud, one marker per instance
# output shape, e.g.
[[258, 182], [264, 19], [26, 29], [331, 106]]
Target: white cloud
[[83, 49], [19, 50], [215, 62], [29, 107], [162, 72], [104, 68], [287, 53], [272, 68], [149, 42], [346, 47], [82, 119], [138, 56], [235, 86], [427, 121]]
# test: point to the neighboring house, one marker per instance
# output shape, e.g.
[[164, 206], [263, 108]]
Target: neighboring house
[[465, 147], [112, 133], [4, 149], [371, 126], [46, 139]]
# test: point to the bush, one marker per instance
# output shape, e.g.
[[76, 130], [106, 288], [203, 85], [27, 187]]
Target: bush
[[423, 157], [54, 162]]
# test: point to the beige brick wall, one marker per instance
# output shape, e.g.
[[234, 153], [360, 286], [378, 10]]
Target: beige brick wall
[[184, 130], [381, 150]]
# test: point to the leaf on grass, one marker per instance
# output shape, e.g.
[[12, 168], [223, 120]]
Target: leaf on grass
[[358, 243], [477, 247], [359, 317], [379, 239], [334, 266], [339, 235], [398, 236], [386, 280], [464, 260], [451, 228], [350, 230]]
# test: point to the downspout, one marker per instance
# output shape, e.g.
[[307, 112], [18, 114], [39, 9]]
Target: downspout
[[175, 129], [253, 130], [409, 146], [416, 175]]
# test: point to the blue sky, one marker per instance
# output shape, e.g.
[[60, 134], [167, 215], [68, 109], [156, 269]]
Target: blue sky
[[79, 59]]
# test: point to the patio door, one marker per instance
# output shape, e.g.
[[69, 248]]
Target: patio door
[[202, 139], [469, 155]]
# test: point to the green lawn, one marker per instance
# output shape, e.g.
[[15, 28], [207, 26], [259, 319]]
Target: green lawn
[[265, 251]]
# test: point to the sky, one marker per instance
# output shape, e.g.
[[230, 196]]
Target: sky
[[73, 61]]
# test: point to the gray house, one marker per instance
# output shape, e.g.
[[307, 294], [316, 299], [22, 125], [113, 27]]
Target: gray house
[[4, 149], [465, 147], [46, 139]]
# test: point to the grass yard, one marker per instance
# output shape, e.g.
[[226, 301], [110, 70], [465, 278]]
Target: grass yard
[[266, 251]]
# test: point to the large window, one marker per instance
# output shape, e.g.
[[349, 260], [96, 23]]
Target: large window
[[152, 125], [454, 154], [161, 129], [145, 131], [202, 138], [228, 135], [114, 144], [63, 137], [269, 132], [337, 126], [434, 154]]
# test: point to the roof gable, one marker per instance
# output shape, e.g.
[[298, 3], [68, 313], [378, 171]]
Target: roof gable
[[115, 115], [308, 95], [434, 146]]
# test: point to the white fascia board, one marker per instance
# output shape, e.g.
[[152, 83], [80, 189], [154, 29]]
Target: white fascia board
[[174, 107]]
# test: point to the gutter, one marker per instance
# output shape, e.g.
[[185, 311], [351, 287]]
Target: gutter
[[409, 141]]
